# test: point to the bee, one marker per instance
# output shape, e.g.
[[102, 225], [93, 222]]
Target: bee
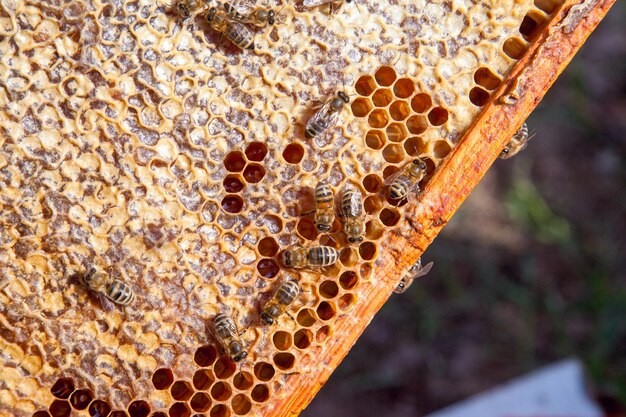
[[324, 207], [284, 296], [517, 143], [414, 272], [315, 3], [327, 115], [236, 32], [113, 289], [245, 12], [352, 213], [313, 257], [227, 334], [189, 8], [406, 179]]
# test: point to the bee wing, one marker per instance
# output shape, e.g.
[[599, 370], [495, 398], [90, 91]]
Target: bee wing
[[322, 112], [356, 204], [315, 3], [242, 7], [392, 178], [424, 270], [107, 305]]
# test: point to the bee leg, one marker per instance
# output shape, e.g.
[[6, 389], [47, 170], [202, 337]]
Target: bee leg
[[107, 305]]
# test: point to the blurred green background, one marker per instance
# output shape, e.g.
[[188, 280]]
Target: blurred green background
[[532, 268]]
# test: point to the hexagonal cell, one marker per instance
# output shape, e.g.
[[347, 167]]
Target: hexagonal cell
[[438, 116], [328, 289], [385, 76], [368, 251], [484, 77], [241, 405], [221, 391], [260, 393], [205, 355], [325, 310], [306, 229], [139, 409], [162, 378], [441, 149], [220, 410], [306, 318], [375, 139], [389, 172], [235, 161], [256, 151], [417, 124], [548, 6], [200, 402], [396, 132], [382, 97], [348, 280], [233, 184], [322, 334], [372, 183], [399, 110], [374, 230], [203, 379], [264, 371], [389, 217], [284, 361], [267, 267], [98, 408], [393, 153], [361, 107], [281, 340], [365, 85], [421, 102], [232, 203], [224, 368], [243, 380], [414, 146], [61, 408], [346, 301], [478, 96], [293, 153], [373, 204], [181, 390], [179, 410], [514, 48], [348, 256], [63, 388], [378, 118], [302, 338], [532, 25], [254, 173], [404, 88], [80, 399], [268, 247]]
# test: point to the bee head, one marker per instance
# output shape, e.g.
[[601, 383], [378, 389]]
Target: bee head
[[505, 151], [240, 356], [399, 288], [183, 10], [211, 14], [343, 96], [419, 163], [267, 319], [355, 239], [325, 228], [271, 17]]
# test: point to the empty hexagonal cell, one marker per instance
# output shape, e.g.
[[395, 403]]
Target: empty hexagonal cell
[[60, 408], [438, 116], [478, 96], [372, 183], [421, 102], [256, 151], [281, 340], [322, 334], [162, 378], [233, 183], [399, 110], [417, 124], [203, 379], [361, 107], [393, 153], [326, 310], [378, 118], [253, 173], [302, 338], [404, 88], [306, 317], [179, 410], [267, 267], [221, 391], [264, 371], [243, 380], [441, 149], [181, 390], [293, 153], [414, 146], [268, 246], [365, 85], [220, 410], [306, 229], [348, 280], [373, 204], [241, 404], [368, 251], [328, 289], [235, 161], [205, 355], [484, 77], [389, 172], [200, 402], [382, 97], [375, 139], [62, 388], [232, 203], [224, 368], [531, 25], [348, 256], [514, 48], [385, 76], [260, 393], [80, 399], [548, 6], [396, 132], [374, 230], [139, 409], [284, 360], [346, 301], [389, 217], [98, 408]]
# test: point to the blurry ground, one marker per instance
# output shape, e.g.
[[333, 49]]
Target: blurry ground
[[532, 269]]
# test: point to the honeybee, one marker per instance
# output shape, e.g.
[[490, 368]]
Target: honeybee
[[113, 289], [313, 257], [315, 3], [227, 334], [284, 296], [327, 115], [236, 32], [406, 179], [324, 207], [352, 213], [517, 143], [414, 272], [245, 12], [189, 8]]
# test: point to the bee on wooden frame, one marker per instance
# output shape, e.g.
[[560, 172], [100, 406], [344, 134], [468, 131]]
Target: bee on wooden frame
[[413, 273], [112, 289], [238, 33], [518, 143], [227, 334]]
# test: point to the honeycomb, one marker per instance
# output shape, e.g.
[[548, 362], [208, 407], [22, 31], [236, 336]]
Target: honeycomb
[[179, 164]]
